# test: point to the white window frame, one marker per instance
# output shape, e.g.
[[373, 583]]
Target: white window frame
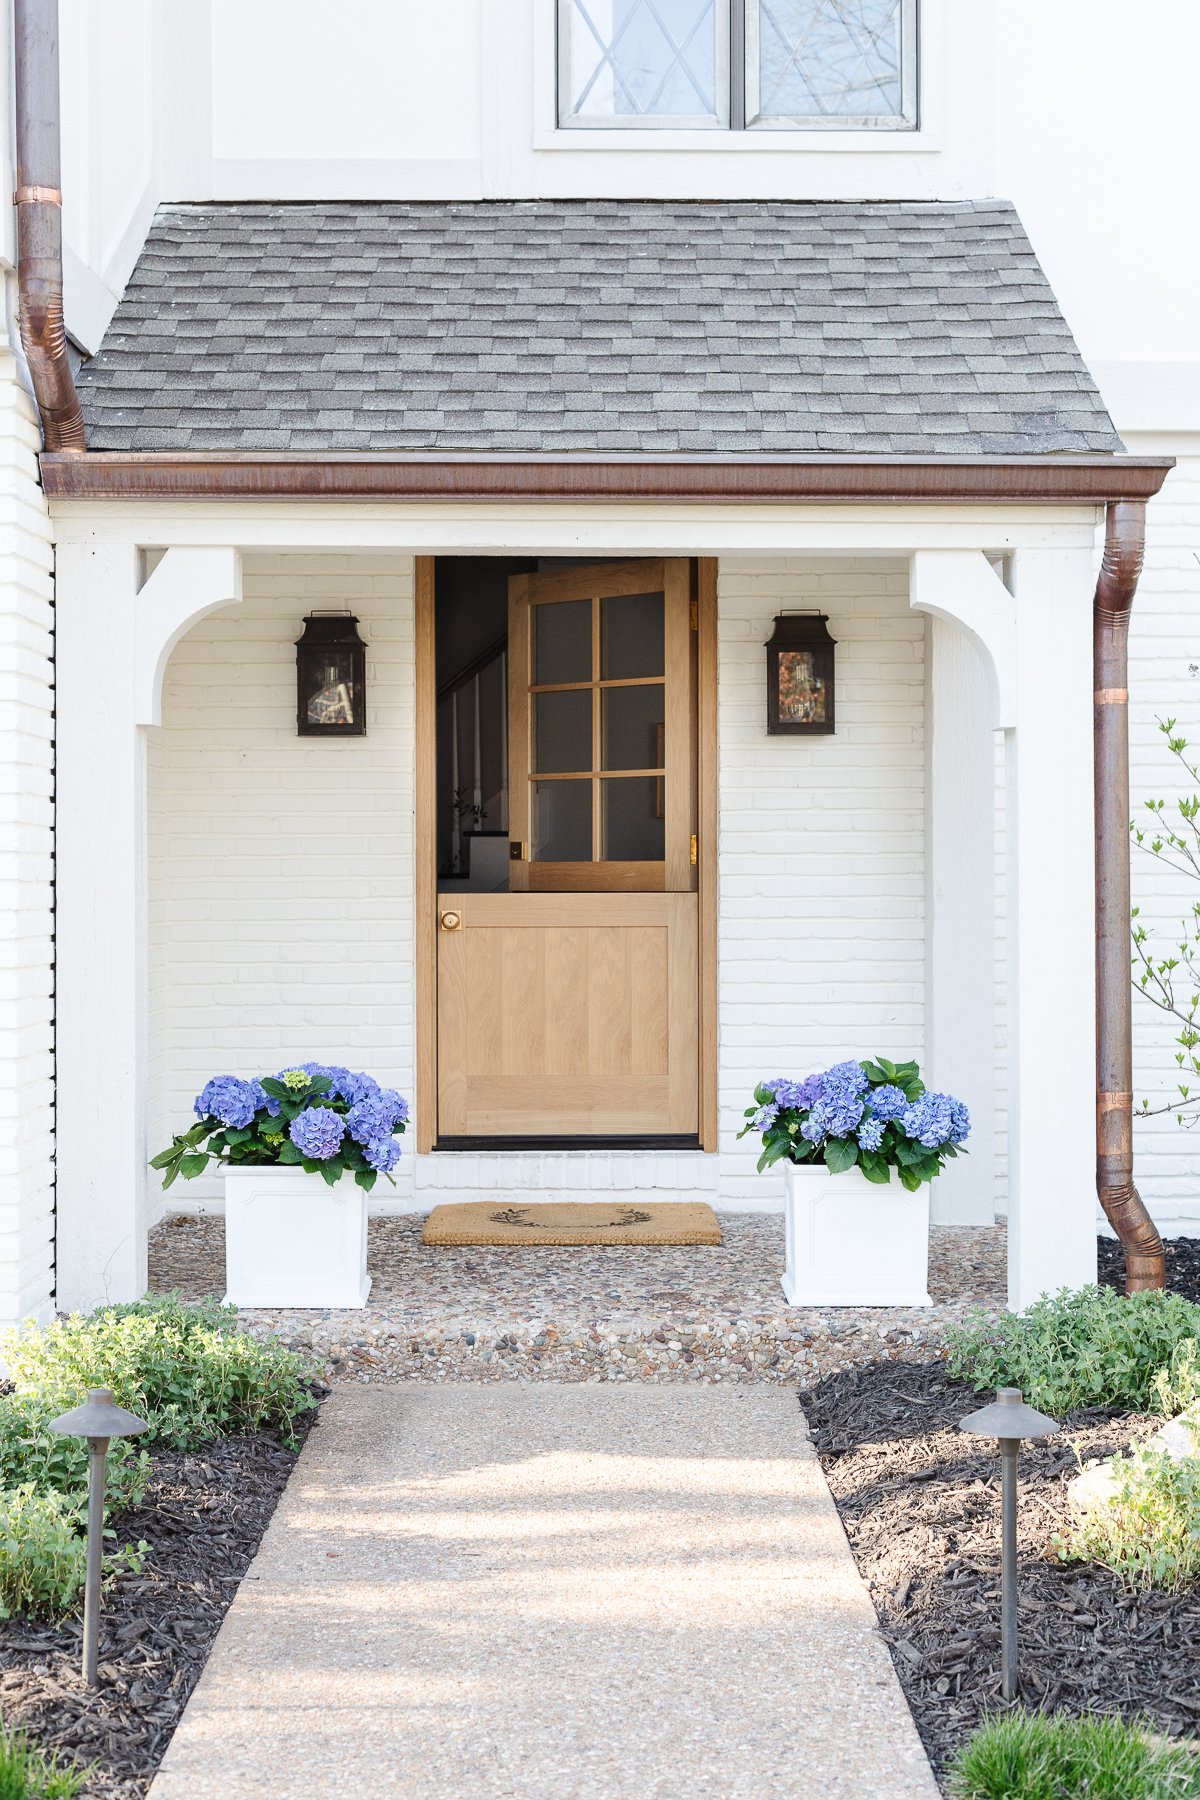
[[738, 29], [905, 120], [571, 121]]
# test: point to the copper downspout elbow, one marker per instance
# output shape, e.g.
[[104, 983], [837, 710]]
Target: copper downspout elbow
[[38, 201], [1124, 544]]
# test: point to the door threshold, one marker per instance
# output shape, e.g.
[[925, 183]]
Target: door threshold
[[682, 1141]]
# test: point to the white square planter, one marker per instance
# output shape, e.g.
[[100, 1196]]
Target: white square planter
[[850, 1242], [292, 1241]]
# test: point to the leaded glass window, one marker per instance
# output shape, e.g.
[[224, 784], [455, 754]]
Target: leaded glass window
[[822, 63], [643, 62], [791, 64]]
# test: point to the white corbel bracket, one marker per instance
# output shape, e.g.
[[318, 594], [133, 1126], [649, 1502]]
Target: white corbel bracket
[[186, 586], [963, 587]]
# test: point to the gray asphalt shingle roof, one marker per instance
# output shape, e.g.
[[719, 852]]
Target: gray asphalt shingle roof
[[752, 327]]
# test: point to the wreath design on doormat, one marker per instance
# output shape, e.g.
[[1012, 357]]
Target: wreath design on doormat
[[524, 1216]]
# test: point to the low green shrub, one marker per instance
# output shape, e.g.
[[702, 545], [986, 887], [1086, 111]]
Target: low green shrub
[[27, 1773], [1051, 1756], [1089, 1347], [42, 1555], [188, 1370], [1148, 1533]]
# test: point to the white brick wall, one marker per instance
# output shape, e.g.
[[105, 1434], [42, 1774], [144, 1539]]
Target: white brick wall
[[26, 865], [1165, 683], [281, 869], [281, 892], [822, 841]]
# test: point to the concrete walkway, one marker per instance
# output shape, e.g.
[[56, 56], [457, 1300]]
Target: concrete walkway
[[552, 1592]]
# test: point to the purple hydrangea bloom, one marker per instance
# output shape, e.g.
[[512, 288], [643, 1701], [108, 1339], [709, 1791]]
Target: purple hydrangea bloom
[[930, 1120], [795, 1096], [960, 1121], [318, 1132], [870, 1133], [886, 1102], [382, 1155], [230, 1099], [765, 1117], [398, 1104]]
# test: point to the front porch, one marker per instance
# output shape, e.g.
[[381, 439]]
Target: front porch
[[684, 1314]]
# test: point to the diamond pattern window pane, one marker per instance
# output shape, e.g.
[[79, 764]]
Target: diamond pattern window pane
[[832, 60], [644, 62]]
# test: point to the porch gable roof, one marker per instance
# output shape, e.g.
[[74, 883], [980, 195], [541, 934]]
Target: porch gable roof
[[563, 328]]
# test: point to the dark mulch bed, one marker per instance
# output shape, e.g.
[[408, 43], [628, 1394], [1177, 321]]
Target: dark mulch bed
[[1183, 1265], [920, 1502], [203, 1516]]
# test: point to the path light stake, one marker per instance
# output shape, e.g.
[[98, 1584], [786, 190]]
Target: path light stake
[[99, 1420], [1009, 1420]]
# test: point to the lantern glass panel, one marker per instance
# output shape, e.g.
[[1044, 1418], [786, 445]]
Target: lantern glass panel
[[802, 689], [332, 697]]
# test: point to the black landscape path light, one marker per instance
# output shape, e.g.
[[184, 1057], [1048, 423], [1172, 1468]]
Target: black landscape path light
[[99, 1420], [1009, 1420]]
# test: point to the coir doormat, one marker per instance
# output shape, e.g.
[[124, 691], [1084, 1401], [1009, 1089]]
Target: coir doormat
[[572, 1222]]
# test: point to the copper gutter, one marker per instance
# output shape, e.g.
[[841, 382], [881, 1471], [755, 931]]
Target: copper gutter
[[1124, 543], [252, 475], [38, 201]]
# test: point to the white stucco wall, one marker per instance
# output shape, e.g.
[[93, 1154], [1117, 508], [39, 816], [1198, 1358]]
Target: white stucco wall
[[26, 870], [282, 883]]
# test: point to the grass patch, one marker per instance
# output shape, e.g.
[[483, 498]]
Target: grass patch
[[29, 1774], [1088, 1348], [1039, 1756]]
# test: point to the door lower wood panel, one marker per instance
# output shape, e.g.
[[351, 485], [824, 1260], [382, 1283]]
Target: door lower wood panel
[[568, 1015]]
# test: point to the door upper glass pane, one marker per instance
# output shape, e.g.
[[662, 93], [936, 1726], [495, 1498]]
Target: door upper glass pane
[[562, 642], [846, 63], [634, 826], [562, 732], [643, 62], [631, 636], [631, 727], [562, 821]]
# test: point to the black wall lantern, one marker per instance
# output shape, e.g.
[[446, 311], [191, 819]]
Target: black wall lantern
[[331, 677], [800, 675]]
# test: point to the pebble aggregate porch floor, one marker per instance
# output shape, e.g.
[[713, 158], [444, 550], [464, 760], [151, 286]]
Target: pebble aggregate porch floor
[[686, 1314]]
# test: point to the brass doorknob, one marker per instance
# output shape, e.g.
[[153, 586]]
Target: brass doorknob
[[450, 921]]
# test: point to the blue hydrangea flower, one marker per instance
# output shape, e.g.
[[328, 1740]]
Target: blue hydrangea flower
[[870, 1133], [318, 1132], [371, 1118], [383, 1154], [960, 1121], [765, 1117], [886, 1102], [230, 1099], [930, 1120], [850, 1077], [837, 1115], [398, 1104]]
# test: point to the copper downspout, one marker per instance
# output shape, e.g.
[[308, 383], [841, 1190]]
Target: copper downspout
[[38, 201], [1124, 543]]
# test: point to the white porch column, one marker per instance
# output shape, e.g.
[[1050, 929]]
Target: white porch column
[[960, 913], [1038, 642], [1051, 913], [113, 642]]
